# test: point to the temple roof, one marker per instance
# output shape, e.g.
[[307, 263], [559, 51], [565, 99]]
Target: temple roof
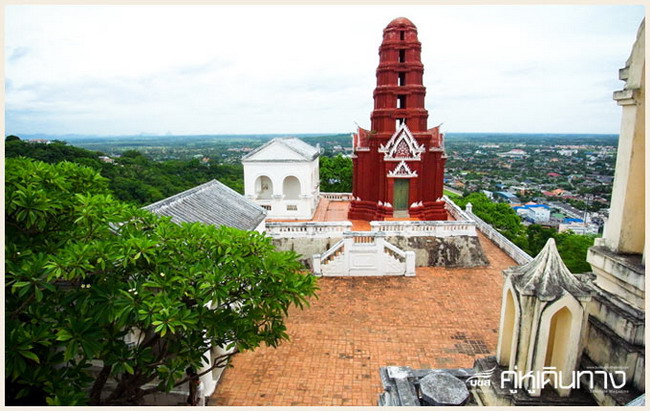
[[211, 203], [546, 276], [284, 149], [401, 21]]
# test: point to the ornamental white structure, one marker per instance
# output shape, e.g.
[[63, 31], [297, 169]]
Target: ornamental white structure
[[282, 176]]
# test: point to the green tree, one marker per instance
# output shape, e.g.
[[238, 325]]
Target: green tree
[[573, 250], [134, 177], [84, 270], [572, 247], [500, 215], [336, 174], [537, 238]]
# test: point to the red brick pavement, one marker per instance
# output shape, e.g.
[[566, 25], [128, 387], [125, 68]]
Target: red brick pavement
[[442, 318], [337, 211]]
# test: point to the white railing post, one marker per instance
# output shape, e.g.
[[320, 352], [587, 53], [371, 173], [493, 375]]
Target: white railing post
[[410, 263], [316, 265], [381, 255], [348, 243]]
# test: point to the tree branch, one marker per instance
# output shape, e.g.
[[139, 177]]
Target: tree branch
[[219, 361], [98, 386], [18, 310]]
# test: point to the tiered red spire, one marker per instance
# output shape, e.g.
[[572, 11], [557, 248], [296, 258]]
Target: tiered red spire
[[399, 139]]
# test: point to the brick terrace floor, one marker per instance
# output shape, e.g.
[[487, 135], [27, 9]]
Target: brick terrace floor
[[442, 318]]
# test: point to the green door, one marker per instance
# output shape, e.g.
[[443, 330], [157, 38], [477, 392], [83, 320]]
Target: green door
[[401, 194]]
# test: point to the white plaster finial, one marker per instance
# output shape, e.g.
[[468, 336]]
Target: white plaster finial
[[546, 276]]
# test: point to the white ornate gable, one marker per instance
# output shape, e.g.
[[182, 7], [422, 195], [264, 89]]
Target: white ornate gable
[[402, 146], [402, 170]]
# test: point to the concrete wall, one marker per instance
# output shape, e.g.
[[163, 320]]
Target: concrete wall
[[307, 246], [462, 251], [616, 334]]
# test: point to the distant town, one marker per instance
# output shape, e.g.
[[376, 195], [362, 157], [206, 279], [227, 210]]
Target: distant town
[[557, 181]]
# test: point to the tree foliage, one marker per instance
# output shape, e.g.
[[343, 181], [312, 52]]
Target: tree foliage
[[500, 215], [572, 247], [85, 271], [336, 174], [133, 177]]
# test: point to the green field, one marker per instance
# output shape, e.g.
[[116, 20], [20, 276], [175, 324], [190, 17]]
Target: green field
[[450, 194]]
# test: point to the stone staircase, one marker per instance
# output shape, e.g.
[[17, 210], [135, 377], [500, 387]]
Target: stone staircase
[[362, 253]]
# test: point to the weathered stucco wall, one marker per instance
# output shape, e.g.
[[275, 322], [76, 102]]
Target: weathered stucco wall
[[461, 251], [306, 247]]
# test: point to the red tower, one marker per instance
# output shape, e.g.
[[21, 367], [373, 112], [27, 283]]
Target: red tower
[[398, 164]]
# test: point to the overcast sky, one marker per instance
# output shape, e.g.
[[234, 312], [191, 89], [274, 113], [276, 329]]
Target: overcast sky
[[111, 70]]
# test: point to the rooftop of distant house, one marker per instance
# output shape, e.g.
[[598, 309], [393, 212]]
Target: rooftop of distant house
[[527, 206]]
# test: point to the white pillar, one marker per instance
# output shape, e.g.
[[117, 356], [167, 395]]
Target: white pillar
[[381, 255], [347, 248], [410, 264], [316, 265], [624, 230]]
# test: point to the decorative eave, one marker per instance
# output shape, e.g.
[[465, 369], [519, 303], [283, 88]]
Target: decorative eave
[[547, 277], [402, 137], [402, 170]]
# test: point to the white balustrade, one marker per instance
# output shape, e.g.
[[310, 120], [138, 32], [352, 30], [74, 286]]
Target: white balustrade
[[363, 253], [337, 196], [510, 248], [425, 228], [307, 229]]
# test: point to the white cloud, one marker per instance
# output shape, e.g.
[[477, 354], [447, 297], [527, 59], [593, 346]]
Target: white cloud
[[293, 69]]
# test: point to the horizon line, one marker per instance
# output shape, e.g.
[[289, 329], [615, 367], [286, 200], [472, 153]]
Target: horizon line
[[314, 134]]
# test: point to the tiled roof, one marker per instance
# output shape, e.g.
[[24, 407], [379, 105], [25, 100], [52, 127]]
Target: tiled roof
[[306, 151], [211, 203]]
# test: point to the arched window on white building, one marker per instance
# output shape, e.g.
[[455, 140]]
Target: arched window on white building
[[291, 188], [263, 187]]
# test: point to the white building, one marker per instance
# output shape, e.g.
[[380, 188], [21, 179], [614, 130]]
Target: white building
[[566, 152], [514, 153], [282, 177], [578, 228], [539, 213], [488, 194]]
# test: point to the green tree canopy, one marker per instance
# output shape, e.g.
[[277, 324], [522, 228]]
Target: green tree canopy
[[336, 174], [83, 271], [572, 247], [134, 177]]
